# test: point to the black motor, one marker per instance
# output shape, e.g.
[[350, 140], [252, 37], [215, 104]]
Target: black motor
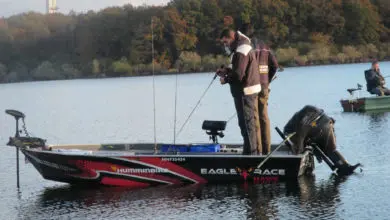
[[314, 128]]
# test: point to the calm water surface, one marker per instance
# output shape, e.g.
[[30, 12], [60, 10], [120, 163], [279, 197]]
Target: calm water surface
[[121, 110]]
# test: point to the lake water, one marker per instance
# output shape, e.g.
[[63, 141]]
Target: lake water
[[121, 110]]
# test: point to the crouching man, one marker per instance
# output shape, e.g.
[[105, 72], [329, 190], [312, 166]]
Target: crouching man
[[314, 127]]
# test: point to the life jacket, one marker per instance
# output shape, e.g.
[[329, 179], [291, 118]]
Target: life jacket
[[262, 59], [267, 63]]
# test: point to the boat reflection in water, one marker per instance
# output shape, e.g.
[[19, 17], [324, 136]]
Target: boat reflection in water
[[303, 198]]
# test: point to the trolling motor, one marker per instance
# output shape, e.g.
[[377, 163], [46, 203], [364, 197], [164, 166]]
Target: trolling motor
[[214, 129], [17, 115], [22, 142], [352, 90], [26, 141]]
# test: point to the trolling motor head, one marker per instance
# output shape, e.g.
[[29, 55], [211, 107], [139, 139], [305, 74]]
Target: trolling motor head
[[15, 113], [214, 129]]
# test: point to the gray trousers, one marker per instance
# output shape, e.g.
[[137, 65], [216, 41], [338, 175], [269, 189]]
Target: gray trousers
[[246, 107]]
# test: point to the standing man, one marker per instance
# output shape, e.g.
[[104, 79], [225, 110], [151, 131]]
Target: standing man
[[268, 66], [375, 81], [244, 80]]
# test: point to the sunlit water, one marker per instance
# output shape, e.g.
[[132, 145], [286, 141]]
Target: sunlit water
[[121, 110]]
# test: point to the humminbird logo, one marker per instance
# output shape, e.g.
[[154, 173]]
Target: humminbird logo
[[139, 170], [223, 171]]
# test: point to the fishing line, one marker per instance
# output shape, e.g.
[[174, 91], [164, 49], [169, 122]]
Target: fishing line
[[197, 104], [231, 117]]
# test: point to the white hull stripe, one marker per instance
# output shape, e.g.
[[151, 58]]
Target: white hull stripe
[[138, 177], [50, 164], [98, 172]]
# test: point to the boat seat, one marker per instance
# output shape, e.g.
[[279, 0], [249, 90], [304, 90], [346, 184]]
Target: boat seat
[[214, 129]]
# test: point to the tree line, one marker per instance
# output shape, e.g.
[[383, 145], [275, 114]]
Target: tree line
[[117, 41]]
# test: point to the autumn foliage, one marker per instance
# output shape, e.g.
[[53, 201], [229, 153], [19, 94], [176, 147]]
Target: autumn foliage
[[117, 41]]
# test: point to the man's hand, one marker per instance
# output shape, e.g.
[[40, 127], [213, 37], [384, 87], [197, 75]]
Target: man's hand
[[221, 72], [222, 80]]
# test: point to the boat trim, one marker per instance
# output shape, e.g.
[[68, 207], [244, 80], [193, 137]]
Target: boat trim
[[219, 155]]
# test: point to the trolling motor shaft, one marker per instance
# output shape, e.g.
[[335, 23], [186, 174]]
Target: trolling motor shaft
[[17, 115], [22, 142]]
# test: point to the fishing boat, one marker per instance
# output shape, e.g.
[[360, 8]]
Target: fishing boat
[[142, 165], [364, 104]]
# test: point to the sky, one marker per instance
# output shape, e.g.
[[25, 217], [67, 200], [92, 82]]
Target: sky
[[11, 7]]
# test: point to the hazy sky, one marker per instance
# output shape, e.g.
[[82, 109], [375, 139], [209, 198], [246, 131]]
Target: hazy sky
[[10, 7]]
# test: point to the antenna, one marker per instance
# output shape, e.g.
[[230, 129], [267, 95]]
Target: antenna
[[174, 125], [154, 96]]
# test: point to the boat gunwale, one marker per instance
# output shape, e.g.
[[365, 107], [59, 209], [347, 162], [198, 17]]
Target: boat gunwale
[[111, 154]]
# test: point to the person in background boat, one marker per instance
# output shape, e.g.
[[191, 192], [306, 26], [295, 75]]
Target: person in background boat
[[313, 126], [375, 81], [244, 80], [268, 66]]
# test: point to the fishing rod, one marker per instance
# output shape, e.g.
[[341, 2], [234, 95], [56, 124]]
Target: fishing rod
[[197, 104], [276, 149], [218, 73]]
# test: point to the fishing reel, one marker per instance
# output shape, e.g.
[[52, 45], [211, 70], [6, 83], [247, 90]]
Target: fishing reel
[[221, 72], [214, 129]]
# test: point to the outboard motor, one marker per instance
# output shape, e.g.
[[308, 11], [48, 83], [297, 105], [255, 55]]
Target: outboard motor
[[314, 128]]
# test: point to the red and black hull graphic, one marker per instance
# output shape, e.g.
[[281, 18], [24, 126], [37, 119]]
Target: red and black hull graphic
[[150, 170]]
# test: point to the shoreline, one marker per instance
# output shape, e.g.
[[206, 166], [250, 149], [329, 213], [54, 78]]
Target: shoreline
[[168, 73]]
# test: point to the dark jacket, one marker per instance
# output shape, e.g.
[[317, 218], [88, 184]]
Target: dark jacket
[[374, 79], [310, 124], [268, 65], [243, 74]]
